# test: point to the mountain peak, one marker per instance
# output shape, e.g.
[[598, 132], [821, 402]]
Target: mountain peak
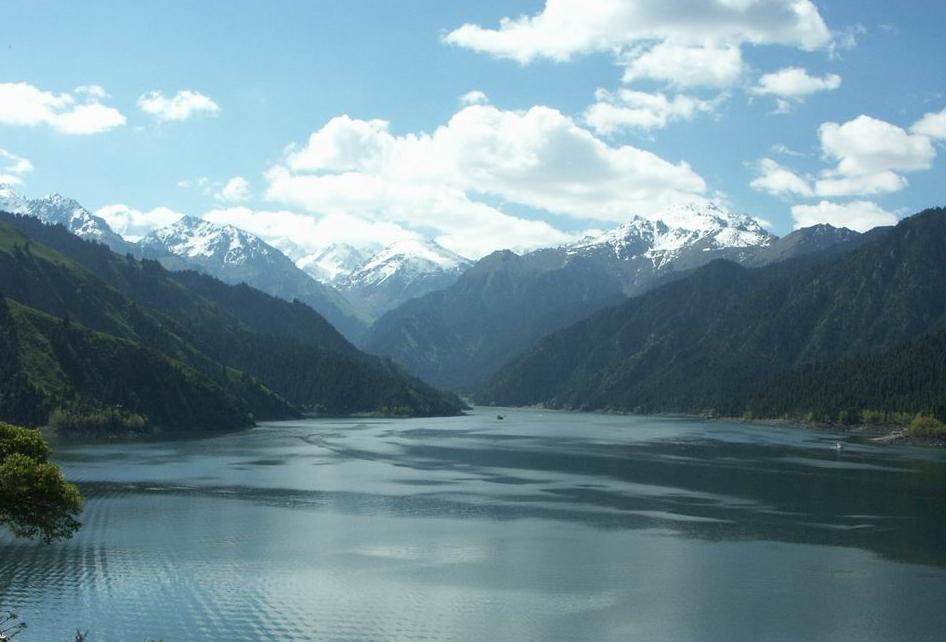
[[11, 200], [333, 262], [193, 237], [665, 235]]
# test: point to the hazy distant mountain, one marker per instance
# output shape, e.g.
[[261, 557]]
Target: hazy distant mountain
[[402, 271], [333, 262], [236, 256], [459, 336], [821, 336]]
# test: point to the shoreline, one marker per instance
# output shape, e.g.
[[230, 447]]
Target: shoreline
[[871, 433]]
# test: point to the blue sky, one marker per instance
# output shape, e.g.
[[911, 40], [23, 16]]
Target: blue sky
[[538, 157]]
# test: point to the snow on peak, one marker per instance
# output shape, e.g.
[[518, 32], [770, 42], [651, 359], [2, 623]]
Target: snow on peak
[[408, 258], [55, 209], [664, 235], [332, 262], [11, 200], [193, 237]]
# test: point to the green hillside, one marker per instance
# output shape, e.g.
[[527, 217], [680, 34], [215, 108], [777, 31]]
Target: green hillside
[[90, 331]]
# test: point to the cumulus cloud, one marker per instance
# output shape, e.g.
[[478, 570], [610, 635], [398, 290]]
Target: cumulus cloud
[[451, 180], [132, 224], [780, 181], [13, 167], [25, 104], [475, 97], [870, 154], [877, 183], [183, 105], [235, 190], [627, 109], [678, 41], [795, 82], [565, 28], [932, 125], [868, 145], [705, 65], [855, 215]]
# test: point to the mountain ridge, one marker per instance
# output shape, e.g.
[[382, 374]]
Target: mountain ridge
[[715, 340]]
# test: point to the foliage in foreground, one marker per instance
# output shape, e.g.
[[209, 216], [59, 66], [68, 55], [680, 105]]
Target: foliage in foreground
[[35, 499]]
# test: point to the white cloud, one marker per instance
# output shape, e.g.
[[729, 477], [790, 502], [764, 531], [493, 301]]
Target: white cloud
[[475, 97], [869, 156], [681, 42], [183, 105], [202, 183], [450, 181], [706, 65], [784, 150], [780, 181], [24, 104], [132, 224], [627, 109], [855, 215], [867, 145], [878, 183], [13, 167], [794, 82], [565, 28], [932, 125], [236, 190], [95, 91]]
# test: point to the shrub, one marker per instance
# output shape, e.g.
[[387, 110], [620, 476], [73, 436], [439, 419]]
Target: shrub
[[96, 421], [926, 426]]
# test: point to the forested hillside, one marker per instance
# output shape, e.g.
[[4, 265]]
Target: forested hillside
[[78, 317], [729, 339]]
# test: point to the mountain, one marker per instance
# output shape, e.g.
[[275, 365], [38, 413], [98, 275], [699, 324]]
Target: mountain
[[817, 239], [56, 209], [236, 256], [88, 331], [729, 339], [402, 271], [459, 336], [332, 263], [681, 237]]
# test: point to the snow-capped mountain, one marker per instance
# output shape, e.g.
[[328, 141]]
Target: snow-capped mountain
[[679, 238], [210, 244], [665, 237], [404, 270], [236, 256], [11, 200], [56, 209], [505, 302], [333, 263]]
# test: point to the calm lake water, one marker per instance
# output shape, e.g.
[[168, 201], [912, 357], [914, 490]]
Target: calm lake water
[[544, 526]]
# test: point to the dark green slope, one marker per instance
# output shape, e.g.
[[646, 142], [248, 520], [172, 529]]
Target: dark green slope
[[51, 363], [873, 388], [224, 333], [716, 338]]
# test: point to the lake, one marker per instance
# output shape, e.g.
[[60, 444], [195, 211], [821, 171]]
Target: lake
[[542, 526]]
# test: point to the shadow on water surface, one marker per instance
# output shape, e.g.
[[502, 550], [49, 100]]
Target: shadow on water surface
[[744, 488]]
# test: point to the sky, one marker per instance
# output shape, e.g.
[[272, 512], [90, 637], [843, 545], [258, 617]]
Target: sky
[[482, 125]]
